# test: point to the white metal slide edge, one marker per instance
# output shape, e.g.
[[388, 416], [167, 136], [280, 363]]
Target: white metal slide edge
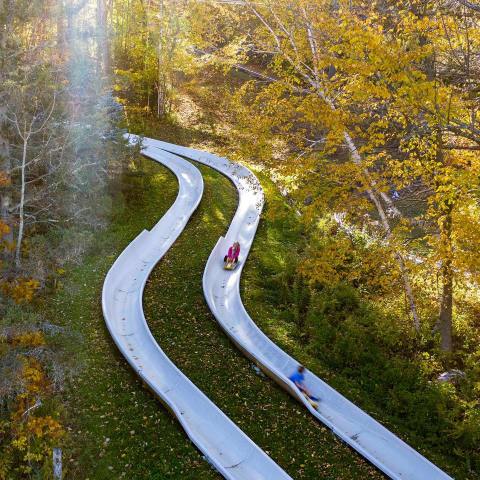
[[222, 292], [225, 446]]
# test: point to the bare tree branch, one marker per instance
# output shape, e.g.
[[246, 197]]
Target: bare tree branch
[[470, 5]]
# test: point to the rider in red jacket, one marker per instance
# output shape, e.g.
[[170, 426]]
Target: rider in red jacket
[[233, 253]]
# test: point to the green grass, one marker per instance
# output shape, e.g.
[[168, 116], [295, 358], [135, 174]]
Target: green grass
[[277, 241], [117, 428], [188, 333]]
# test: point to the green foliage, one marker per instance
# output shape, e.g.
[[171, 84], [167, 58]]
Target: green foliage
[[150, 53], [351, 338], [354, 333]]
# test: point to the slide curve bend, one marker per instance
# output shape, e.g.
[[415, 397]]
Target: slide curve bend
[[222, 292], [224, 445]]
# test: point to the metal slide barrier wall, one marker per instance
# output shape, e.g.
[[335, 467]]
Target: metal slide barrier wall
[[222, 292], [225, 446]]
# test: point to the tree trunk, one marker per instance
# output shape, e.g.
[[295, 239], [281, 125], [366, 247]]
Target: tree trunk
[[103, 43], [446, 255], [8, 6], [21, 219], [357, 159], [5, 193], [161, 95], [161, 83], [446, 307], [446, 299], [61, 40]]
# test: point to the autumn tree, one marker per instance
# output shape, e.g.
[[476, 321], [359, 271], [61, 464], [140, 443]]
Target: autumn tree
[[28, 141], [150, 52], [372, 99], [29, 117], [59, 134]]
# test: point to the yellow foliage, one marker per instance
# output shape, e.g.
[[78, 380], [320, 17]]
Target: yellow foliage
[[31, 442], [44, 427], [22, 290], [28, 439], [20, 443], [35, 379], [29, 339], [335, 257]]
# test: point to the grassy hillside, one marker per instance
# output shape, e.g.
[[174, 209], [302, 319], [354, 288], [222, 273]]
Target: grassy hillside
[[117, 429], [189, 334]]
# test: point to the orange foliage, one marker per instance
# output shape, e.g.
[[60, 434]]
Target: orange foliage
[[4, 229], [44, 427], [4, 179]]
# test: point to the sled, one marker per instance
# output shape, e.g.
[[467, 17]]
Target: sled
[[313, 401], [230, 265]]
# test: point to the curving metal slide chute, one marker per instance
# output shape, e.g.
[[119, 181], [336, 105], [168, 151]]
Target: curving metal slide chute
[[224, 445], [222, 292]]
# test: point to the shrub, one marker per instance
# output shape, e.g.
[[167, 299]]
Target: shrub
[[351, 338]]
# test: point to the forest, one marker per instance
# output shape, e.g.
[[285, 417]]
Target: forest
[[361, 119]]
